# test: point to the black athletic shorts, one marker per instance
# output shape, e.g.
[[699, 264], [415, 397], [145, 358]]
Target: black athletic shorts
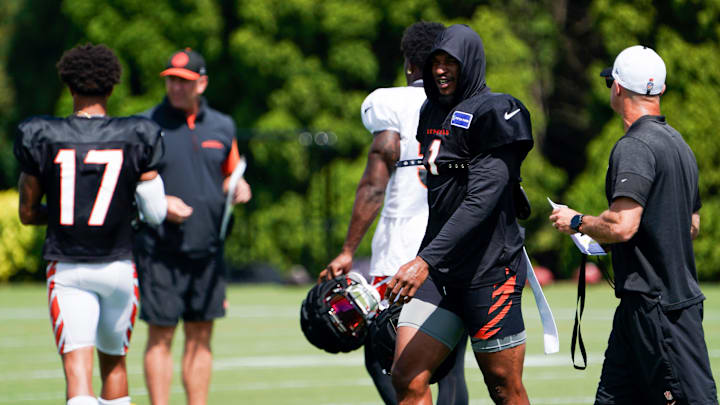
[[655, 357], [491, 314], [174, 287]]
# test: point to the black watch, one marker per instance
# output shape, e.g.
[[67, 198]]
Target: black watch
[[576, 222]]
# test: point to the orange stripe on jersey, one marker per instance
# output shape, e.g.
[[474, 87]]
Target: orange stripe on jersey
[[232, 159], [504, 291], [212, 144], [133, 313], [51, 270], [58, 334], [191, 121], [132, 317], [129, 331], [51, 287], [498, 303], [507, 287], [136, 290], [56, 326], [485, 332], [51, 273], [54, 312]]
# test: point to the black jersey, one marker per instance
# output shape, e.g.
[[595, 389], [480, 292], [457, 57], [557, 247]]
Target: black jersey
[[473, 147], [88, 168], [193, 170], [654, 166]]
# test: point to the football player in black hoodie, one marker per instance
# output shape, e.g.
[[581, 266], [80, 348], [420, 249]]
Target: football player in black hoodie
[[473, 142]]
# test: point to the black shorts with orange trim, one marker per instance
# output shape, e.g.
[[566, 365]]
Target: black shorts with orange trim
[[491, 314]]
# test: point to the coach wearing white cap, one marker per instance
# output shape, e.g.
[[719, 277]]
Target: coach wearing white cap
[[656, 352]]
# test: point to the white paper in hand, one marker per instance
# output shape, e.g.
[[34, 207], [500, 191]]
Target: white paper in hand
[[586, 244], [234, 177]]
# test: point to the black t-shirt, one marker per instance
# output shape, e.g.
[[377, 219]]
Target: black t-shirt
[[654, 166], [88, 168], [192, 169]]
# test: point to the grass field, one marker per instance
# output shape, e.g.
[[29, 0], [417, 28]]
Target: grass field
[[261, 356]]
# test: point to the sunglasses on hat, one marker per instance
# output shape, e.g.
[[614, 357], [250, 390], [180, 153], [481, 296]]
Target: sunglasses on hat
[[609, 81]]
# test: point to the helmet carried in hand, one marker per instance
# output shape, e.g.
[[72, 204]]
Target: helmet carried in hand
[[336, 313]]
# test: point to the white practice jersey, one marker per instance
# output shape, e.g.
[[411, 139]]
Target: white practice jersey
[[403, 219]]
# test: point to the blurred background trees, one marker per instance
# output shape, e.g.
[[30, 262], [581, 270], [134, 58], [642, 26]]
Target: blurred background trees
[[293, 74]]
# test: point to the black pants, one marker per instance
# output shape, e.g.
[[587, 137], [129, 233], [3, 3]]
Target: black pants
[[656, 357], [452, 389]]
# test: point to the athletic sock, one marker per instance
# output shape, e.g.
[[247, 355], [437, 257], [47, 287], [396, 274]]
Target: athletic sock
[[82, 400], [116, 401]]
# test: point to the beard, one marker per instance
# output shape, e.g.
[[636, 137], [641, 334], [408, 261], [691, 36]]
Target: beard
[[447, 100]]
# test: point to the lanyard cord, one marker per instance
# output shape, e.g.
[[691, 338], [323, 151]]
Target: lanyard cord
[[579, 308]]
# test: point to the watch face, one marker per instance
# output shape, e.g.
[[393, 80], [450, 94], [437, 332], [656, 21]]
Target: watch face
[[575, 222]]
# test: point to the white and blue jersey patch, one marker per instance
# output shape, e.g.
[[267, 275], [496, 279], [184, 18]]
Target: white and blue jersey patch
[[461, 119]]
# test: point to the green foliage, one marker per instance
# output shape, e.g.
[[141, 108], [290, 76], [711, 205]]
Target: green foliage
[[21, 245], [293, 71], [144, 35], [510, 69], [540, 182], [689, 104], [8, 10]]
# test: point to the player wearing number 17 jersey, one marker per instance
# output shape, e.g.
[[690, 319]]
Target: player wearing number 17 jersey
[[90, 167]]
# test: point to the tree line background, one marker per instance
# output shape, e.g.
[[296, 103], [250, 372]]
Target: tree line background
[[293, 74]]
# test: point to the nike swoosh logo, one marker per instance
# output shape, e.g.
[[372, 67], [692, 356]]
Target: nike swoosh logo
[[512, 114], [367, 109], [623, 180]]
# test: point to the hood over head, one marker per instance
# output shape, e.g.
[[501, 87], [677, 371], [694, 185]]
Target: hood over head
[[465, 45]]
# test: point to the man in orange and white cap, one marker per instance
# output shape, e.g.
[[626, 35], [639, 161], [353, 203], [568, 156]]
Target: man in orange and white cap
[[180, 262]]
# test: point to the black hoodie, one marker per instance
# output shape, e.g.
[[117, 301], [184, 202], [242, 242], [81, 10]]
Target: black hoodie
[[473, 147]]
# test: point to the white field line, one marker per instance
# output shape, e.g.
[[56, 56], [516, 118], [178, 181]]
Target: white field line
[[309, 361], [232, 364], [317, 360], [288, 312], [302, 361], [364, 382]]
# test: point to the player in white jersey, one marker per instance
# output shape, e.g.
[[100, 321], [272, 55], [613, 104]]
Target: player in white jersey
[[394, 173], [404, 215]]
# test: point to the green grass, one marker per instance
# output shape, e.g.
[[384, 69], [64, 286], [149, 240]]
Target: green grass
[[261, 356]]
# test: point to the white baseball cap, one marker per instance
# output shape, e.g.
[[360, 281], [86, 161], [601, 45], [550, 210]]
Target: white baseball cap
[[638, 69]]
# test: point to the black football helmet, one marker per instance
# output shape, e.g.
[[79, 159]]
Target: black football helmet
[[336, 313], [383, 334]]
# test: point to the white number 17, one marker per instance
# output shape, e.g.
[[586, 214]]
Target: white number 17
[[112, 159]]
